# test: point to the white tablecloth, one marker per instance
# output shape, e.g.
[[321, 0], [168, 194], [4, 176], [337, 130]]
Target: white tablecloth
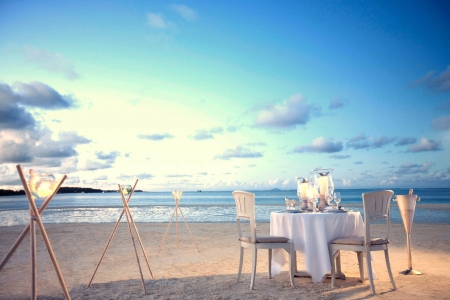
[[311, 234]]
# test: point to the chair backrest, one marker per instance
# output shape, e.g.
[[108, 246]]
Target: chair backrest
[[245, 209], [376, 207]]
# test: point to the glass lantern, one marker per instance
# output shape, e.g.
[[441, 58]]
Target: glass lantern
[[41, 185], [323, 183], [304, 191], [126, 189]]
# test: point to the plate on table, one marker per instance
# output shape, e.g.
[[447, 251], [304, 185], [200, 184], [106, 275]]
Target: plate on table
[[291, 211], [337, 210]]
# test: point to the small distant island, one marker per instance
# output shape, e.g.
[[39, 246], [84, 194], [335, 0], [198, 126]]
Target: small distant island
[[64, 190]]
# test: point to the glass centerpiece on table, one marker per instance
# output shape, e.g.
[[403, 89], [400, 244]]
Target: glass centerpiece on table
[[290, 204], [304, 192], [323, 182]]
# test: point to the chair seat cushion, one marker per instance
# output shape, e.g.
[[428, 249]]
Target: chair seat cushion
[[264, 238], [359, 240]]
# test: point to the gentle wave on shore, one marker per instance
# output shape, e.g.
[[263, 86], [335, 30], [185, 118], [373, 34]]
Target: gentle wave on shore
[[428, 213], [207, 206]]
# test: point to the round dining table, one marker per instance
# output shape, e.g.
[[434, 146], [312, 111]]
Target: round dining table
[[311, 233]]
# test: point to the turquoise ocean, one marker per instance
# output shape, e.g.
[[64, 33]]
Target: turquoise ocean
[[205, 206]]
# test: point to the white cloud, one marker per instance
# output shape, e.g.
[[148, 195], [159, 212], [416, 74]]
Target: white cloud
[[337, 103], [156, 20], [202, 134], [185, 12], [320, 145], [290, 113], [239, 152], [406, 141], [425, 144], [414, 168], [155, 137], [359, 142], [441, 124], [362, 141], [439, 83], [53, 62], [339, 156]]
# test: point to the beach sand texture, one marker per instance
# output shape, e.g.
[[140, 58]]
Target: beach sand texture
[[183, 273]]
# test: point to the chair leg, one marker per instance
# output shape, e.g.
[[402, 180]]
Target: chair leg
[[291, 262], [241, 259], [388, 265], [338, 264], [333, 271], [254, 258], [361, 265], [369, 270], [270, 263]]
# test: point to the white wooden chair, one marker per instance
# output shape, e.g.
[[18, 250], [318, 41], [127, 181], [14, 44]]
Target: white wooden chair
[[245, 206], [376, 207]]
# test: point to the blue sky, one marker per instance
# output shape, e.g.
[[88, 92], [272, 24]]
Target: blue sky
[[222, 96]]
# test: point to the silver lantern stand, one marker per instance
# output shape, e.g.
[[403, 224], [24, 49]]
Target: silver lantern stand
[[407, 205]]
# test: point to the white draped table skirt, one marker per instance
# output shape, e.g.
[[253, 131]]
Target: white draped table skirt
[[311, 233]]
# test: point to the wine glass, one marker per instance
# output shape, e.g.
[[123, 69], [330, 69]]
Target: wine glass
[[337, 198]]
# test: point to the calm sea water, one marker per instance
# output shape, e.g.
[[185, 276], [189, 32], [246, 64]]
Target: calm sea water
[[206, 206]]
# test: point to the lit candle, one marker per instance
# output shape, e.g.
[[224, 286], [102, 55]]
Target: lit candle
[[323, 185], [304, 190], [45, 188]]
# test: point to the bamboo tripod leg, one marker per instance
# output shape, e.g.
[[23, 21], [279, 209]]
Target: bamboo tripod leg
[[167, 230], [50, 251], [48, 245], [106, 248], [27, 228], [142, 246], [127, 213], [33, 257], [192, 237], [176, 225]]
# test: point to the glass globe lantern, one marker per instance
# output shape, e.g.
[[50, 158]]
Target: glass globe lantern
[[41, 185], [126, 189]]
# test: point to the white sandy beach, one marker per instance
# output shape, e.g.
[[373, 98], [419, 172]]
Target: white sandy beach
[[183, 273]]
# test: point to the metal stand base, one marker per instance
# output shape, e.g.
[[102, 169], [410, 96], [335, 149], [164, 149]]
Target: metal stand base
[[410, 272]]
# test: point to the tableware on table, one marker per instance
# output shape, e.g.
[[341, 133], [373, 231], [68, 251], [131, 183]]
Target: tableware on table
[[292, 211], [331, 209], [337, 198], [290, 204]]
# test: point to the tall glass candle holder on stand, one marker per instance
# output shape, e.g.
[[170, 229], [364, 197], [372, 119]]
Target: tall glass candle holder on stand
[[407, 205], [304, 192], [323, 182]]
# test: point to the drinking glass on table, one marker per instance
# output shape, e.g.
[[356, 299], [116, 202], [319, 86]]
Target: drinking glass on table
[[337, 198]]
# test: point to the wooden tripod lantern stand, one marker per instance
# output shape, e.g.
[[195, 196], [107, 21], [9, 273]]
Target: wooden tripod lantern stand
[[177, 196], [40, 186], [124, 190]]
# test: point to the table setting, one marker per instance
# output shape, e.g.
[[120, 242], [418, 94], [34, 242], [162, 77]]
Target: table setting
[[312, 222]]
